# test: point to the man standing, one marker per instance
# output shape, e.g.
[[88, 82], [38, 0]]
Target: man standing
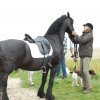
[[85, 42], [62, 62]]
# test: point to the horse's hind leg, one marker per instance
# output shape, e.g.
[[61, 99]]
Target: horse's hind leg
[[41, 93], [3, 86]]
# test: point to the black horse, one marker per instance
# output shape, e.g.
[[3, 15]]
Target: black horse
[[16, 54]]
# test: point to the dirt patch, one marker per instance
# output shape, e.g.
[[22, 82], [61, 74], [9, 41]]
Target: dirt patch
[[15, 92]]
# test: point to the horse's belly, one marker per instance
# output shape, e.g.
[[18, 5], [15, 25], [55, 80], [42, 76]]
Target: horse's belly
[[35, 51]]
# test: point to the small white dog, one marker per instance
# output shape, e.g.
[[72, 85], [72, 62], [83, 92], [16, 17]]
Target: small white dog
[[75, 79], [77, 75]]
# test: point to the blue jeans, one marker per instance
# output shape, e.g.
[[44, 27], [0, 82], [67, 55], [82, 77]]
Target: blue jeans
[[63, 67]]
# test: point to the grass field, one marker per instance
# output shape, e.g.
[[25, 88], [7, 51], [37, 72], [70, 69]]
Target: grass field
[[62, 88]]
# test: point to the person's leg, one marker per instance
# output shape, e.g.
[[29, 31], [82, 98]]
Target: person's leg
[[82, 74], [58, 71], [86, 62], [30, 74], [63, 66]]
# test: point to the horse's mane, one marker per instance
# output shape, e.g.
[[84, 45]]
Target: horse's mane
[[55, 26]]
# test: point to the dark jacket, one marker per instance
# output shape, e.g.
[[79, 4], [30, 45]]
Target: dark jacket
[[85, 42]]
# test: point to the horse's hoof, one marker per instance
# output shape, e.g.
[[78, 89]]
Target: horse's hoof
[[41, 94], [50, 97]]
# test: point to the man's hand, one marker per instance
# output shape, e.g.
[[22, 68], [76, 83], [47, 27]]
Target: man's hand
[[74, 33]]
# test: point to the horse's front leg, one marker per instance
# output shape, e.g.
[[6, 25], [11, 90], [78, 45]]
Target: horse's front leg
[[49, 95], [3, 86], [41, 93]]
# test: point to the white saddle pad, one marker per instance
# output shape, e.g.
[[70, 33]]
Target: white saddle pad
[[35, 51]]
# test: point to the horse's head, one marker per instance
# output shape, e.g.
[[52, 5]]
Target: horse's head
[[60, 26], [69, 24]]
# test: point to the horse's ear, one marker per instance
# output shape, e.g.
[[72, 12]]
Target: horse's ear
[[68, 14]]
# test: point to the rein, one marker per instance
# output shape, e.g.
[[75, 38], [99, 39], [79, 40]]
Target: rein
[[74, 53]]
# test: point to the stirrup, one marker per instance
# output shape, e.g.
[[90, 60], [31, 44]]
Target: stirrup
[[43, 68], [50, 65]]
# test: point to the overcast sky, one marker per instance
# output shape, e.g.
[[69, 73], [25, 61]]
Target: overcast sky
[[34, 17]]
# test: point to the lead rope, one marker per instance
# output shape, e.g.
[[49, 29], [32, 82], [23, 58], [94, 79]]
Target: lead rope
[[71, 49], [75, 54]]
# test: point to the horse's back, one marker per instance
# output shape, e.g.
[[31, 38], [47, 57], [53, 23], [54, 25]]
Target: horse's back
[[11, 42], [13, 50], [12, 46]]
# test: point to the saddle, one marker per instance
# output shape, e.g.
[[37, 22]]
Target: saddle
[[42, 43]]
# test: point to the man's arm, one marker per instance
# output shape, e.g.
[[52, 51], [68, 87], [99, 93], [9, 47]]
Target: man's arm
[[84, 39]]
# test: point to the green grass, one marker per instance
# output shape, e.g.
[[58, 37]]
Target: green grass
[[62, 88]]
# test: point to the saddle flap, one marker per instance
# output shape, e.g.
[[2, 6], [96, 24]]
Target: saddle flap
[[43, 45]]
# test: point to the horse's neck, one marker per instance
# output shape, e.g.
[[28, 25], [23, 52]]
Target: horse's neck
[[53, 39], [58, 38], [55, 43], [62, 33]]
